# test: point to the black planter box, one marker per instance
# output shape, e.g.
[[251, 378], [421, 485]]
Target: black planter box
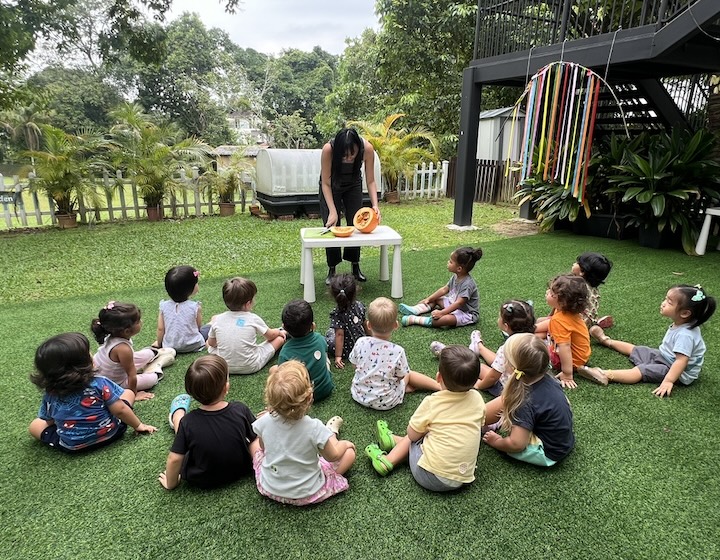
[[295, 205], [527, 212], [653, 239], [604, 225]]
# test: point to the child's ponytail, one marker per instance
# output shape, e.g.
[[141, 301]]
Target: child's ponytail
[[529, 357], [113, 319], [700, 305], [343, 288]]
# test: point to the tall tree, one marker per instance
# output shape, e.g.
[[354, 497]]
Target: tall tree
[[77, 98], [358, 91], [26, 21], [181, 85], [298, 83]]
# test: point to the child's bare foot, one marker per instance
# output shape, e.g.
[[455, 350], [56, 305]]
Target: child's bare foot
[[144, 396], [598, 334]]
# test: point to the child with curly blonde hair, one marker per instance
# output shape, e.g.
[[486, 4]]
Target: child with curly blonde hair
[[300, 460]]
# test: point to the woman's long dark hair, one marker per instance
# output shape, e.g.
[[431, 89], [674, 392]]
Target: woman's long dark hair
[[343, 143]]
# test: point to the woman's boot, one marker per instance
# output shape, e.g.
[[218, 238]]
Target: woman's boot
[[359, 276], [331, 273]]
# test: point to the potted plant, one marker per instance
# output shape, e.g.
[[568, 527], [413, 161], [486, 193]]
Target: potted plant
[[223, 187], [550, 200], [665, 181], [153, 154], [399, 150], [64, 168]]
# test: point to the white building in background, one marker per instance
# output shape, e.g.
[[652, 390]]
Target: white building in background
[[246, 128]]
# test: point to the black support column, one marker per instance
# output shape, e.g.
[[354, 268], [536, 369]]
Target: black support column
[[467, 149]]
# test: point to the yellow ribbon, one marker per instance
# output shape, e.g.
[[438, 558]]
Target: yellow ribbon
[[518, 374]]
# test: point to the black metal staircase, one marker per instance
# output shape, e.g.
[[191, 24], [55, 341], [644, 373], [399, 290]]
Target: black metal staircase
[[655, 54]]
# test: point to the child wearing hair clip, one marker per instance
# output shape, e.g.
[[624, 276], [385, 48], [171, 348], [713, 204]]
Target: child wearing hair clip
[[681, 353], [515, 317], [117, 359], [532, 420], [180, 323]]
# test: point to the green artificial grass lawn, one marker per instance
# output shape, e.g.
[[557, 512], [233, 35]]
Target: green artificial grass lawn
[[641, 483]]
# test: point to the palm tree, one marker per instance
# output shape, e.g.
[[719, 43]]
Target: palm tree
[[152, 154], [23, 126], [399, 150], [65, 166]]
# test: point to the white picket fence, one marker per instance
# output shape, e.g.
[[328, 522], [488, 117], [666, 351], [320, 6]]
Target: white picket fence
[[429, 181], [24, 208], [21, 207]]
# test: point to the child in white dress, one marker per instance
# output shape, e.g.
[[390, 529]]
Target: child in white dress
[[180, 323]]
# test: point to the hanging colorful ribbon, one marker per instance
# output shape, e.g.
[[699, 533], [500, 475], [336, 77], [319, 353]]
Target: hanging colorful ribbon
[[560, 115]]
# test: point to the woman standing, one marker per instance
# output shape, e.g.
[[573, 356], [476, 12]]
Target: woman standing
[[341, 190]]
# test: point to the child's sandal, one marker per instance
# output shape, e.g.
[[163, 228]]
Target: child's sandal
[[385, 438], [379, 460], [334, 424], [598, 334], [180, 402]]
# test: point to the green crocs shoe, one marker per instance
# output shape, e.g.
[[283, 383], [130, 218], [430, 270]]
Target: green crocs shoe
[[379, 460], [385, 437]]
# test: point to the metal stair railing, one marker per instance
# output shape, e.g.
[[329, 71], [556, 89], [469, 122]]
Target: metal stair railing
[[507, 26]]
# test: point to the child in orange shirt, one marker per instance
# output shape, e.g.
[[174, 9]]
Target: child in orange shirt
[[568, 337]]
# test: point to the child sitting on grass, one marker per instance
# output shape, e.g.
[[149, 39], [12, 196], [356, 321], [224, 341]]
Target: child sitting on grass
[[79, 411], [382, 375], [116, 357], [180, 323], [536, 416], [455, 304], [569, 341], [306, 346], [594, 268], [443, 435], [681, 353], [515, 316], [347, 320], [214, 444], [233, 334], [300, 460]]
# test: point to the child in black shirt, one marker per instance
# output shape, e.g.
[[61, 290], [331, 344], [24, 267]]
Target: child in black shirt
[[214, 444]]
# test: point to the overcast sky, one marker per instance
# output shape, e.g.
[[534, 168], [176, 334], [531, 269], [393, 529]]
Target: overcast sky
[[269, 26]]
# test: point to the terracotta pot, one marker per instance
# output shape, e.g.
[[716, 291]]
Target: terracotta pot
[[67, 221], [154, 213], [392, 197], [227, 208]]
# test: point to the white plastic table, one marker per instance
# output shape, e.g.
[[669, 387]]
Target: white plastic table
[[382, 237], [701, 244]]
